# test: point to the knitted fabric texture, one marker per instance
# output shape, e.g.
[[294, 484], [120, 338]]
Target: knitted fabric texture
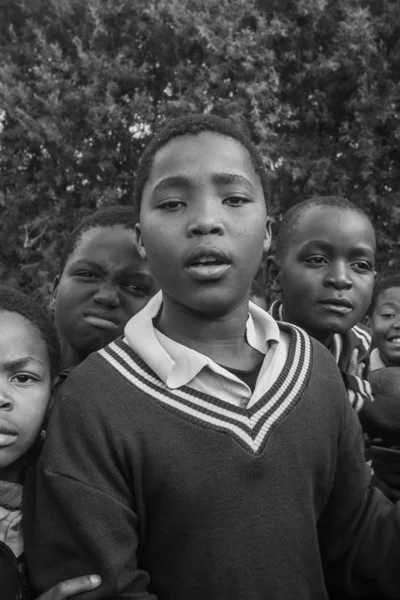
[[10, 495], [177, 495]]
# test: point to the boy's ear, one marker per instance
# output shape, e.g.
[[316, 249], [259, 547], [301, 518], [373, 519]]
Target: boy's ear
[[139, 242], [367, 321], [267, 235], [54, 291], [273, 273]]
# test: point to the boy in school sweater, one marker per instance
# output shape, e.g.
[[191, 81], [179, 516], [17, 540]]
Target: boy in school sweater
[[324, 270], [211, 453]]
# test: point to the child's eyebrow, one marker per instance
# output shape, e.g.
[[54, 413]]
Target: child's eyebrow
[[227, 178], [217, 178], [19, 363], [170, 182], [83, 262]]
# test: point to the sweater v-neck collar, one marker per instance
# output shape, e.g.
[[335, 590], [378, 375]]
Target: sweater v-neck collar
[[252, 426]]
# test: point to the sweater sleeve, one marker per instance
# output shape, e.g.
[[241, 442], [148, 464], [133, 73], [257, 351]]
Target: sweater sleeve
[[82, 518], [359, 529]]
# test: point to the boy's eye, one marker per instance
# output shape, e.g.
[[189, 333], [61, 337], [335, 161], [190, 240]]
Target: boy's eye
[[315, 260], [236, 200], [387, 315], [24, 378], [362, 265], [172, 204], [137, 290], [86, 275]]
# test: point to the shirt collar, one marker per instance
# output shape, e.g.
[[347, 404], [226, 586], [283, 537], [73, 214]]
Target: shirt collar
[[176, 364], [375, 360]]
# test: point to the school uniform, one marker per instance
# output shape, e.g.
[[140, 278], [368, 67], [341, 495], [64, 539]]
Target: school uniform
[[167, 475]]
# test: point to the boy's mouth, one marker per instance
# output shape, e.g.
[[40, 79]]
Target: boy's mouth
[[207, 263], [7, 434], [338, 305], [395, 340]]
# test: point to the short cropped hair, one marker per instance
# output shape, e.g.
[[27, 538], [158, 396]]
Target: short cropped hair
[[288, 225], [105, 217], [12, 300], [194, 125], [381, 285]]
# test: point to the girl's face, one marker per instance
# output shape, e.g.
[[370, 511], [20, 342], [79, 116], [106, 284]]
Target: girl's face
[[385, 326], [25, 389]]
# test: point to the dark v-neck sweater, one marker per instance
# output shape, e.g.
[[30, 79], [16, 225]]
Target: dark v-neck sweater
[[177, 495]]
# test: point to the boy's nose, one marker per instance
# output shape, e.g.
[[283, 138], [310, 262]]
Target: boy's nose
[[339, 277], [107, 295], [206, 221], [6, 402]]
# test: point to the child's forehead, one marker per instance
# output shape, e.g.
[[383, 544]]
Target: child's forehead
[[19, 336], [335, 225], [389, 295], [105, 238], [199, 153]]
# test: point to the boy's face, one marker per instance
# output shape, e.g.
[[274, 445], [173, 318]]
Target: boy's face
[[327, 275], [25, 387], [103, 284], [385, 326], [203, 223]]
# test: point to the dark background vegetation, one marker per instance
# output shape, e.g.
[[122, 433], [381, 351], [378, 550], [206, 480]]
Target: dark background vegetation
[[84, 82]]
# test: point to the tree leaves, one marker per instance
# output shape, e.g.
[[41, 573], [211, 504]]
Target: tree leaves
[[84, 83]]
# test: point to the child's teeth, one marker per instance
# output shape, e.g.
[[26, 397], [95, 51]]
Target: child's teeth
[[396, 340], [207, 259]]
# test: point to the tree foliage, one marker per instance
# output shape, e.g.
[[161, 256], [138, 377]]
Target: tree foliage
[[83, 83]]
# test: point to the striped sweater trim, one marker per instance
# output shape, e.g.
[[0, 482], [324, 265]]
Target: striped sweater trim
[[250, 427]]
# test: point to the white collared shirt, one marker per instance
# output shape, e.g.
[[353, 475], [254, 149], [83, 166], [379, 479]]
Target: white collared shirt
[[177, 365]]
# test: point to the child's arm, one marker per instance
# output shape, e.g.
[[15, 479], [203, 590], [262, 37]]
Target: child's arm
[[359, 529], [84, 518]]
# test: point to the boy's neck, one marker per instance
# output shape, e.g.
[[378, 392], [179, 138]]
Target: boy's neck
[[69, 358], [220, 338], [325, 338], [13, 473]]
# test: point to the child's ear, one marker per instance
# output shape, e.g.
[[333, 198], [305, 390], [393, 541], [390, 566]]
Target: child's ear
[[273, 273], [139, 242], [54, 291], [267, 235], [368, 321]]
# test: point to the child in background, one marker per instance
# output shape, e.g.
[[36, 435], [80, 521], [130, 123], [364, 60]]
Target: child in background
[[29, 361], [385, 324], [385, 381], [102, 283], [324, 271], [212, 453]]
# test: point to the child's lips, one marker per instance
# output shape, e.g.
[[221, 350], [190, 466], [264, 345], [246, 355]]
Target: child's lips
[[8, 434], [207, 263], [6, 439], [203, 272], [100, 319], [339, 306]]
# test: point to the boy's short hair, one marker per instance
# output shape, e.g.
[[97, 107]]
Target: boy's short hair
[[382, 284], [194, 125], [288, 225], [13, 300], [105, 217]]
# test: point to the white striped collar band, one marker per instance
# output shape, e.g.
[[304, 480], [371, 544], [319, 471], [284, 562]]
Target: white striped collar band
[[249, 427]]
